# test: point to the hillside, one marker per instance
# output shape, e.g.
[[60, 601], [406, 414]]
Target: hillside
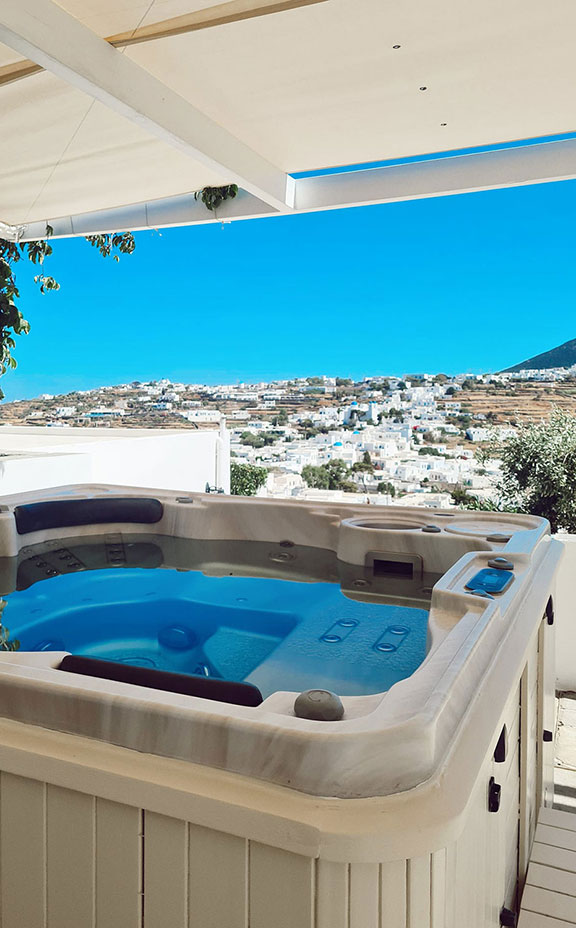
[[562, 356]]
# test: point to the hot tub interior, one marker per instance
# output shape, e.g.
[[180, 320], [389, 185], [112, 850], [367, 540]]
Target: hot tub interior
[[281, 617]]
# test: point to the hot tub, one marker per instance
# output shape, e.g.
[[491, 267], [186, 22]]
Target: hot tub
[[171, 637]]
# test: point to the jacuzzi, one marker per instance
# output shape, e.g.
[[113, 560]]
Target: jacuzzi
[[165, 643]]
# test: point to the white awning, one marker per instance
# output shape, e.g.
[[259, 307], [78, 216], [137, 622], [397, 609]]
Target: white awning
[[112, 134]]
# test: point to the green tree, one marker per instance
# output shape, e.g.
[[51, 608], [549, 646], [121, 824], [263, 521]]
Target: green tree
[[12, 322], [281, 418], [316, 477], [258, 441], [330, 476], [246, 479], [386, 487], [465, 500], [538, 472], [364, 465]]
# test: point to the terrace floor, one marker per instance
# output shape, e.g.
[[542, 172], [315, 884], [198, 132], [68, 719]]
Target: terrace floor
[[565, 754], [549, 897]]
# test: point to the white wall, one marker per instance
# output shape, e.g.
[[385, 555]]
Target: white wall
[[51, 470], [167, 459], [565, 616], [171, 462]]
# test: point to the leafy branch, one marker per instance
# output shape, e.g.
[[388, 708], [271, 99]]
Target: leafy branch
[[6, 643], [213, 197], [109, 245]]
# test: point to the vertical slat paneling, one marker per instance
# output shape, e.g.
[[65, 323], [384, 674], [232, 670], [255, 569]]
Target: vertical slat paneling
[[332, 883], [438, 890], [22, 852], [419, 892], [281, 889], [478, 826], [451, 871], [69, 858], [118, 865], [364, 896], [218, 892], [393, 894], [165, 872], [493, 868]]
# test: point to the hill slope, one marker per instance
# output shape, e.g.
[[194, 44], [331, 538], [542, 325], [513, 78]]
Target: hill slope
[[562, 356]]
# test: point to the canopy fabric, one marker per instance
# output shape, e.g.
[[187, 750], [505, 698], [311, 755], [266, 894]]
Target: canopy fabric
[[328, 83]]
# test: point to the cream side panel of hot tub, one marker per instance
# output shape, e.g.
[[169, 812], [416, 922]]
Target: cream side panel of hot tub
[[66, 841]]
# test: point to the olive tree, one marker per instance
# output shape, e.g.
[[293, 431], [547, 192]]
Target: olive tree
[[246, 479], [538, 472]]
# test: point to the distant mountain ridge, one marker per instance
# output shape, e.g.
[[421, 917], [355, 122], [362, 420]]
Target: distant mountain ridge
[[562, 356]]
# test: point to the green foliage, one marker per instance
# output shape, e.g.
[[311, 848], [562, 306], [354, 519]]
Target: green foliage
[[433, 451], [382, 385], [538, 472], [246, 479], [258, 441], [12, 322], [213, 197], [386, 487], [310, 430], [465, 500], [463, 420], [110, 245], [6, 644], [364, 465], [330, 476], [281, 418]]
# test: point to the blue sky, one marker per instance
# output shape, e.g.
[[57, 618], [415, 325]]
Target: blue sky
[[475, 282]]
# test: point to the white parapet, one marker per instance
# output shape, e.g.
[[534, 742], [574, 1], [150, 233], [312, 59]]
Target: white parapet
[[36, 458], [565, 616]]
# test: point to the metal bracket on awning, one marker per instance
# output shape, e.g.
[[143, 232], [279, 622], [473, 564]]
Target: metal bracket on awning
[[10, 232]]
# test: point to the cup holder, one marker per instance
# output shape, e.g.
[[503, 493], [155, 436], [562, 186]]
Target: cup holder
[[385, 525]]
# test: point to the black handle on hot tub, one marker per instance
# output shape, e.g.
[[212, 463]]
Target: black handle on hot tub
[[61, 513], [239, 694]]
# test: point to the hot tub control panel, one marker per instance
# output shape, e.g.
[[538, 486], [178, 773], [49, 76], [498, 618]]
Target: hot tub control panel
[[490, 580]]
